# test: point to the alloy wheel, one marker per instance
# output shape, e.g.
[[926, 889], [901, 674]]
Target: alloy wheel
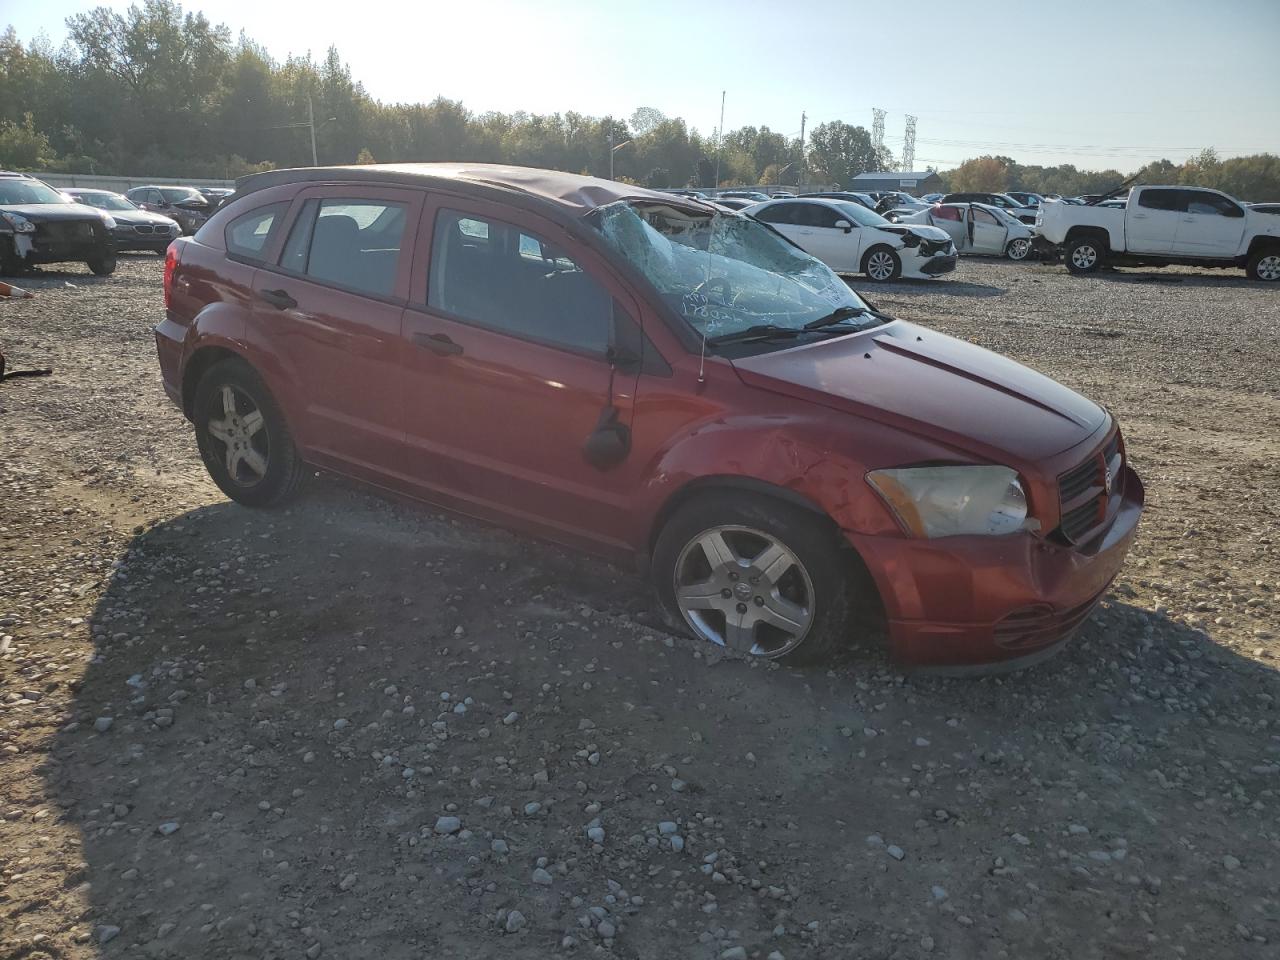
[[742, 588], [1018, 249], [1269, 267], [880, 265], [1084, 256], [241, 431]]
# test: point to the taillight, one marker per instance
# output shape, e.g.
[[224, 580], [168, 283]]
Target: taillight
[[172, 257]]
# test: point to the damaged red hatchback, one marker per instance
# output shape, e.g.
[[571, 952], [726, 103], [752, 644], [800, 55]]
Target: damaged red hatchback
[[649, 378]]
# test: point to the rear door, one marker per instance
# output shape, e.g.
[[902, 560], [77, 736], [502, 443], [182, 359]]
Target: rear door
[[1151, 224], [507, 369], [332, 306], [1212, 226]]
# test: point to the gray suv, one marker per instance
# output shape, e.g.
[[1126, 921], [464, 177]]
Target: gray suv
[[187, 205]]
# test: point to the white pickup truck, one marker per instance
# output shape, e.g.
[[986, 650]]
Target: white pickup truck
[[1159, 226]]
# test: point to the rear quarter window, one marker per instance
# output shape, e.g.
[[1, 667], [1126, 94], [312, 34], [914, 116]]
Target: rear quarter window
[[248, 234]]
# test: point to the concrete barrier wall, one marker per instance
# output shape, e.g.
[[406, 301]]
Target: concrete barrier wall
[[121, 184]]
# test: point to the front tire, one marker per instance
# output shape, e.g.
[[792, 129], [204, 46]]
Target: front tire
[[1018, 249], [881, 265], [756, 574], [1264, 265], [243, 438], [1084, 254], [102, 266]]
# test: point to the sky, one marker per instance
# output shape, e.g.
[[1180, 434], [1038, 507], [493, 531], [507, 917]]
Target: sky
[[1096, 83]]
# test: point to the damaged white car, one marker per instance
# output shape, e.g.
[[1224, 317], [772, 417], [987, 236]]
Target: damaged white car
[[849, 238], [979, 228]]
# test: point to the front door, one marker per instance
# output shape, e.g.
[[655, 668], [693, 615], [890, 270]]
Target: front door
[[986, 233], [508, 354], [1212, 226], [332, 307], [1151, 225]]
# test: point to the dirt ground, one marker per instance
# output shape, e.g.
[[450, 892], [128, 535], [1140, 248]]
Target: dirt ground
[[359, 729]]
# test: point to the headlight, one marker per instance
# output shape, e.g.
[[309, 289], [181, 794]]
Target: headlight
[[109, 220], [948, 501], [19, 223]]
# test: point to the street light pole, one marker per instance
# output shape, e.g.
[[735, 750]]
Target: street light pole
[[311, 122], [613, 150]]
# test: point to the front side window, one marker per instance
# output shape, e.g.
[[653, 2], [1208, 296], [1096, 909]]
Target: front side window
[[860, 216], [511, 280], [247, 235], [178, 194], [723, 274], [348, 243], [1211, 204]]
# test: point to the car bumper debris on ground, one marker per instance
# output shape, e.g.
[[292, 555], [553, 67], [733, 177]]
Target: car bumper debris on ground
[[356, 728]]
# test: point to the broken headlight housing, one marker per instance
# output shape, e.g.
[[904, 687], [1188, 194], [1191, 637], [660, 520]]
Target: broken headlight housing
[[953, 500], [109, 221], [19, 223]]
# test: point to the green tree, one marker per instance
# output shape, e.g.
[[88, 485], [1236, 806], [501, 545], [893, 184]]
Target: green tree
[[22, 146], [838, 152], [982, 175]]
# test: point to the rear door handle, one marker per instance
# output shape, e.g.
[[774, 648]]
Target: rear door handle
[[437, 343], [278, 299]]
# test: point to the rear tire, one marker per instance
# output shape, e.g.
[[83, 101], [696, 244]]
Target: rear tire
[[102, 266], [1264, 265], [245, 443], [1085, 254], [806, 582], [882, 265]]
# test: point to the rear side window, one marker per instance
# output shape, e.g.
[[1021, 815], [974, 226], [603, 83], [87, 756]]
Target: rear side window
[[1173, 200], [247, 234], [782, 213], [947, 213], [984, 216], [509, 279], [353, 244]]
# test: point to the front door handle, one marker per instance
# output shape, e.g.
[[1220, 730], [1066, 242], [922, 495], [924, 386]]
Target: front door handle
[[278, 299], [438, 343]]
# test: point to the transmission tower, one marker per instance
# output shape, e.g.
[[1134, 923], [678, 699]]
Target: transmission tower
[[909, 145], [877, 132]]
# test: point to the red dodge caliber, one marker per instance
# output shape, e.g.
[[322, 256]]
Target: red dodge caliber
[[653, 379]]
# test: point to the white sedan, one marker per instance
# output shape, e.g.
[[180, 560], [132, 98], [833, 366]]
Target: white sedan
[[978, 228], [849, 238]]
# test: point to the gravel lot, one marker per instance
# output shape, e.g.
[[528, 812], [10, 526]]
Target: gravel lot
[[357, 729]]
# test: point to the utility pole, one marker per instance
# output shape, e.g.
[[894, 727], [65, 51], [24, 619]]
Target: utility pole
[[311, 122], [800, 179], [719, 141]]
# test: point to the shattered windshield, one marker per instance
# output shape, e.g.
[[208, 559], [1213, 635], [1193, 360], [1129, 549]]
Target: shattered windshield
[[725, 273]]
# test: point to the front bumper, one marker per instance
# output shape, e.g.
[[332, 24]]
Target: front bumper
[[964, 602], [62, 243], [936, 266], [1044, 249], [126, 238]]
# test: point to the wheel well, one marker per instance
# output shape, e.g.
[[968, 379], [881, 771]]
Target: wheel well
[[1263, 243], [1094, 232], [872, 249], [200, 361], [869, 604]]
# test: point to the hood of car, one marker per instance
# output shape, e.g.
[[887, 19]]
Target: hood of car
[[935, 386], [132, 217], [923, 231], [45, 212]]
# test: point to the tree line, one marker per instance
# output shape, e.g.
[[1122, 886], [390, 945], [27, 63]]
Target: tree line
[[162, 91]]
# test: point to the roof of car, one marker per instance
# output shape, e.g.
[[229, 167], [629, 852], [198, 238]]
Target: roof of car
[[571, 192]]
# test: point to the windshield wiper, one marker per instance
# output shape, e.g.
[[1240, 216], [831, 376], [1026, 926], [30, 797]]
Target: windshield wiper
[[845, 313], [760, 331]]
